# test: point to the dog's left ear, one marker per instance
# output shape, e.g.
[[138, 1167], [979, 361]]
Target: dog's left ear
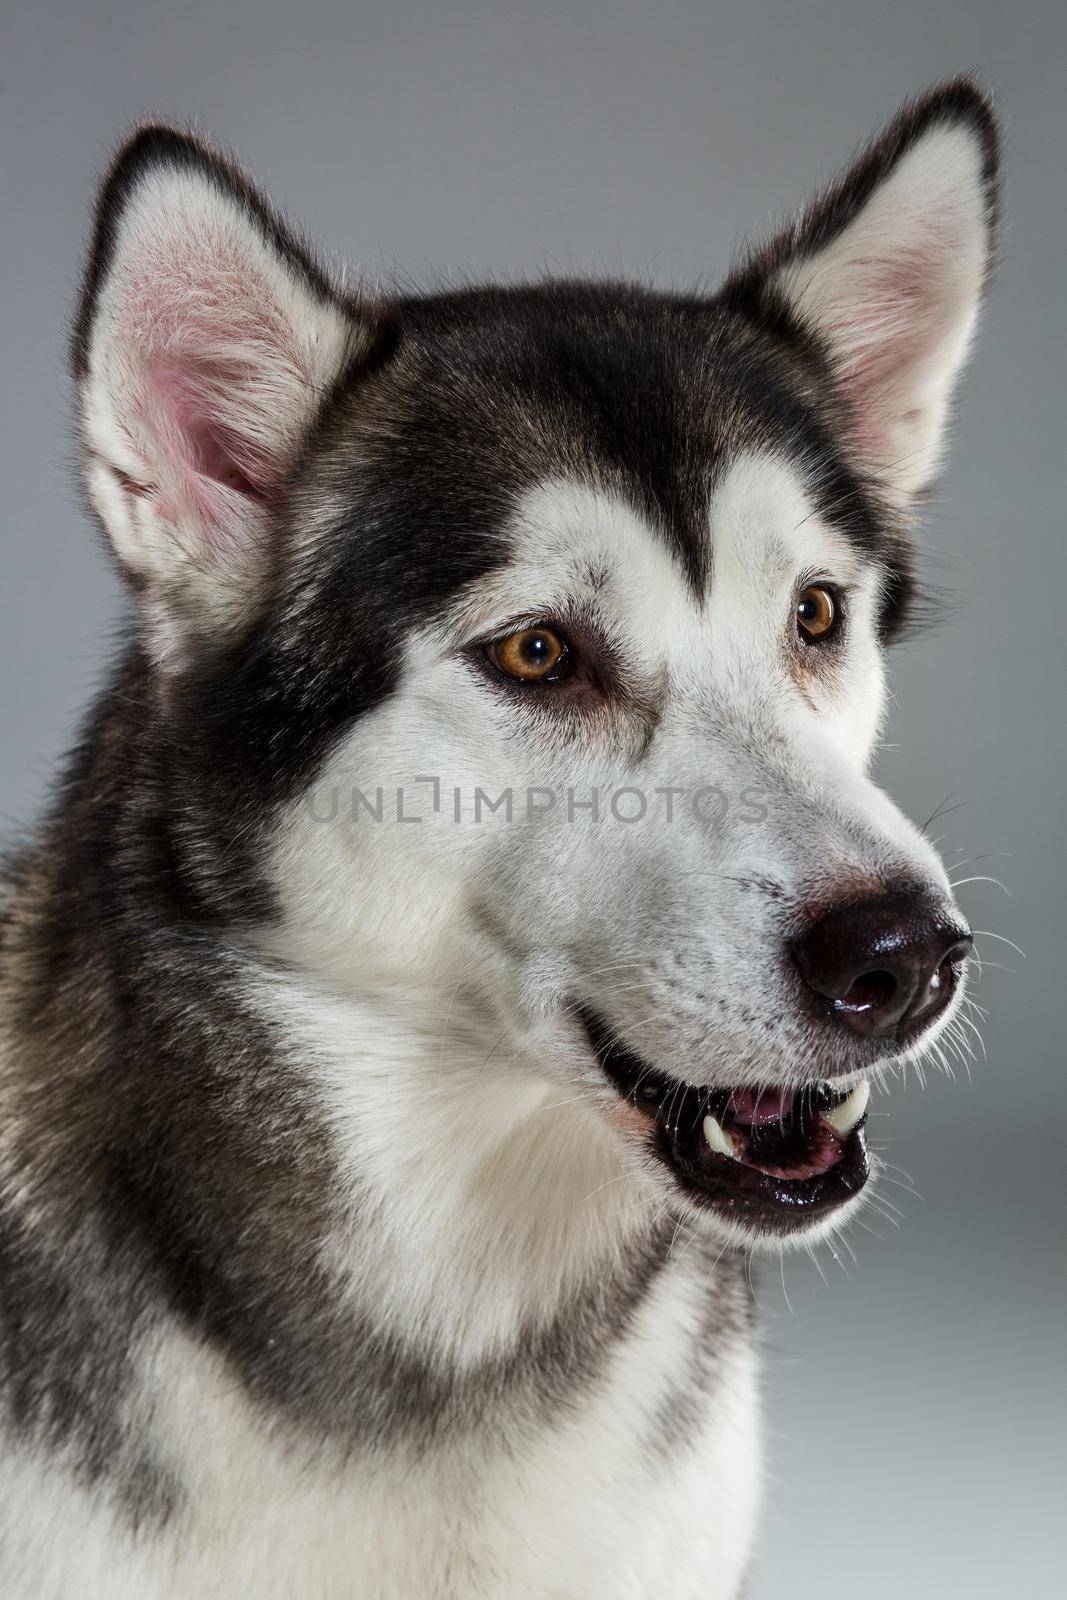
[[207, 342], [886, 271]]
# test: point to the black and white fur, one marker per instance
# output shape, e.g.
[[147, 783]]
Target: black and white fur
[[330, 1263]]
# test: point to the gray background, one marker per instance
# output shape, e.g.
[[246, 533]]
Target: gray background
[[915, 1414]]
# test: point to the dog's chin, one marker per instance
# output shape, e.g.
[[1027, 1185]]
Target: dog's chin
[[761, 1166]]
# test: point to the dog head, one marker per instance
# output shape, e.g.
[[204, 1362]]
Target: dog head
[[530, 640]]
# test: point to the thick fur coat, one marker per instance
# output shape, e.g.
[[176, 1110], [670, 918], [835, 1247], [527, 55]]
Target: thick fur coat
[[366, 989]]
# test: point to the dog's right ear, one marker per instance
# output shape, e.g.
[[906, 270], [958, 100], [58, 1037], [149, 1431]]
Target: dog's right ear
[[206, 342]]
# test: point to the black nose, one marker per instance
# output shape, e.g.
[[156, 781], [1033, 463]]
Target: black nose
[[886, 965]]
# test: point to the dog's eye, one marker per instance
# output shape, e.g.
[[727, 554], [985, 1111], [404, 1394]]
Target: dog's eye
[[817, 612], [533, 655]]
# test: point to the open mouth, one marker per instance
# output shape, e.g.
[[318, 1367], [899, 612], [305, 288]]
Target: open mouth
[[777, 1159]]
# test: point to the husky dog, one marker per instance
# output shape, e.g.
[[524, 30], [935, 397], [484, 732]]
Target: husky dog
[[466, 927]]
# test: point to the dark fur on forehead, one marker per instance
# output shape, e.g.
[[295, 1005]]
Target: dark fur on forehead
[[648, 393]]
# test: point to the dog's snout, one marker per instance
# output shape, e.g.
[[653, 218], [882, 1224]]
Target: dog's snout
[[885, 965]]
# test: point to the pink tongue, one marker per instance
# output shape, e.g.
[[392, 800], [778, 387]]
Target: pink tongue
[[759, 1108]]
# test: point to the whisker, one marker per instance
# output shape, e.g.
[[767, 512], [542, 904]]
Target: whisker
[[980, 877], [987, 934], [943, 810], [967, 1023]]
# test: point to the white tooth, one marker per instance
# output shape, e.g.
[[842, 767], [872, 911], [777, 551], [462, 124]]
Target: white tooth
[[845, 1116], [718, 1139]]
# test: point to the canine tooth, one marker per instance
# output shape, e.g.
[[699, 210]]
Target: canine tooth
[[844, 1117], [718, 1139]]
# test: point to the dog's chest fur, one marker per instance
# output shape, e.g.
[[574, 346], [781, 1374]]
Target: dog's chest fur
[[649, 1474]]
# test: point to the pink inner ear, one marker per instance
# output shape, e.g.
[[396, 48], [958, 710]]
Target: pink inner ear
[[878, 342], [220, 384], [892, 313], [203, 443], [210, 470]]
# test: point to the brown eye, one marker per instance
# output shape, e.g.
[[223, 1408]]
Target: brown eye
[[533, 655], [816, 612]]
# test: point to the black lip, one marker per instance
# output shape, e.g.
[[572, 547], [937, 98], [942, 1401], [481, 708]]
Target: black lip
[[737, 1192]]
